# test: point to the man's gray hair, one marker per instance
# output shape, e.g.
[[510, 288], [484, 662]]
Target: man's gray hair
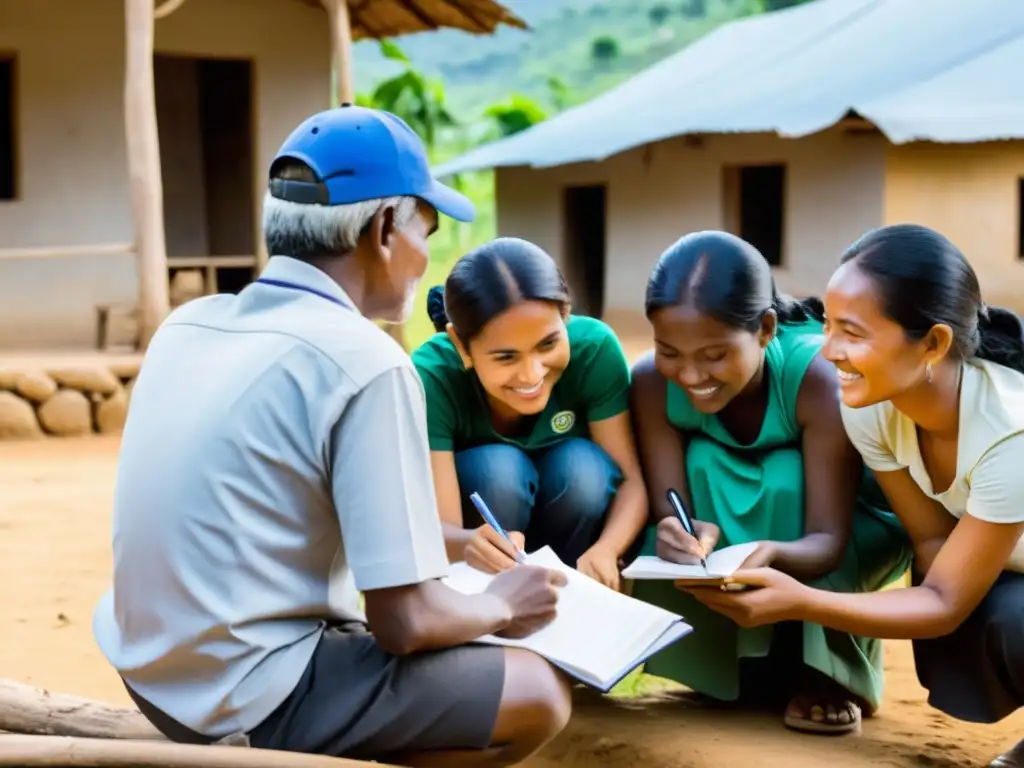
[[302, 231]]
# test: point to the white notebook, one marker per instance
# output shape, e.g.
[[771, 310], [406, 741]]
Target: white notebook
[[721, 563], [599, 635]]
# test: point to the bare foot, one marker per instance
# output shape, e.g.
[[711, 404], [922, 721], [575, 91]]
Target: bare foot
[[824, 714]]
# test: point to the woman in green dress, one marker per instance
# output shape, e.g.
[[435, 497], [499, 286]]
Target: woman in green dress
[[737, 410]]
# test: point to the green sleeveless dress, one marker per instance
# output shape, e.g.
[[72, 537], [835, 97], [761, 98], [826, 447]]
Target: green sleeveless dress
[[754, 492]]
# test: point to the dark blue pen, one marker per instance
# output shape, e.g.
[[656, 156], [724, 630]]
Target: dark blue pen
[[677, 504], [489, 518]]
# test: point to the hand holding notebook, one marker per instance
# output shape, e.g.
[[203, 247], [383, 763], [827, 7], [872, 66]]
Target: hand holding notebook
[[598, 635], [531, 594], [720, 564]]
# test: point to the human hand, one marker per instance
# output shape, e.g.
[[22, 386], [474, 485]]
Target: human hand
[[531, 593], [488, 551], [601, 564], [771, 597], [677, 546], [762, 557]]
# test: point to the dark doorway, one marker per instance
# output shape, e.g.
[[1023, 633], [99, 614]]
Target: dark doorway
[[755, 207], [585, 225], [1020, 219], [8, 124], [205, 118]]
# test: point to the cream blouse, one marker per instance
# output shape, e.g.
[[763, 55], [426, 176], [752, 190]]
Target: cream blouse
[[989, 482]]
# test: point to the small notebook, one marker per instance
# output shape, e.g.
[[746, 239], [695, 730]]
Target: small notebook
[[599, 635], [721, 563]]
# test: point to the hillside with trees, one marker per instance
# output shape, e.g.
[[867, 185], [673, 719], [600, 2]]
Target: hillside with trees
[[458, 90], [588, 46]]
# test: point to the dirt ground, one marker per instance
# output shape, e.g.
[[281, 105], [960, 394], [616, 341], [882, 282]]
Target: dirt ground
[[55, 502]]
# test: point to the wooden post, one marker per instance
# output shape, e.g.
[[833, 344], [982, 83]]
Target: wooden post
[[344, 81], [341, 49], [146, 184]]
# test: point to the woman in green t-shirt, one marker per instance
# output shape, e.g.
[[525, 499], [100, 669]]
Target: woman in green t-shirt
[[738, 411], [528, 406]]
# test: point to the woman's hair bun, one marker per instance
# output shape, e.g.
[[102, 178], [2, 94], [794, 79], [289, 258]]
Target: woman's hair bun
[[435, 308]]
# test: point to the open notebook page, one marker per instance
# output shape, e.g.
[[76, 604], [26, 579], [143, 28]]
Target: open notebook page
[[721, 563], [599, 634]]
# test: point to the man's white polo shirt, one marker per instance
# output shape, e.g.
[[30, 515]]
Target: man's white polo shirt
[[274, 462]]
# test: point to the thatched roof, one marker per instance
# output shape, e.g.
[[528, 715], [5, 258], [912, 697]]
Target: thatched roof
[[391, 18]]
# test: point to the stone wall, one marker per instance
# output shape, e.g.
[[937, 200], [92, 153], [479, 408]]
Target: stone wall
[[64, 402]]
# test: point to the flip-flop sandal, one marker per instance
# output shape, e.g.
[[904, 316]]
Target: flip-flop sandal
[[806, 723], [1012, 759]]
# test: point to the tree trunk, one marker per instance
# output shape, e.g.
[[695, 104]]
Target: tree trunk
[[146, 185]]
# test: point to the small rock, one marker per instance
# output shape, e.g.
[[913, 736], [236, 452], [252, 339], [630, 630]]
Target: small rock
[[110, 413], [8, 379], [66, 414], [606, 744], [35, 386], [87, 379], [17, 419]]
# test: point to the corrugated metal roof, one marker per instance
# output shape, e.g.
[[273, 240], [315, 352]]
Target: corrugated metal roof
[[941, 70]]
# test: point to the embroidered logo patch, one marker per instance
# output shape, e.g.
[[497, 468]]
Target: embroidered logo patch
[[563, 421]]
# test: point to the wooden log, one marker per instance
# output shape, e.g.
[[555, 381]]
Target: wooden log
[[145, 182], [28, 710], [39, 727], [22, 750]]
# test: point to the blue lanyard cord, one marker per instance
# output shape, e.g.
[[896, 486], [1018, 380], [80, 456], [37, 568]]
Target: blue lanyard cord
[[306, 288]]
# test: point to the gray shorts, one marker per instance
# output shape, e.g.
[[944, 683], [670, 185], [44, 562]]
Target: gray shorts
[[354, 700]]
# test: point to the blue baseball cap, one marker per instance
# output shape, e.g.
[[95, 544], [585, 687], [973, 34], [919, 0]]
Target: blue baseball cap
[[361, 154]]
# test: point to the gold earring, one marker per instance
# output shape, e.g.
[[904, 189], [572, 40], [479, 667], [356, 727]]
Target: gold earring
[[928, 372]]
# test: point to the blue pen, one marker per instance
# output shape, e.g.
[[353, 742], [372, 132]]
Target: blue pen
[[489, 518], [677, 504]]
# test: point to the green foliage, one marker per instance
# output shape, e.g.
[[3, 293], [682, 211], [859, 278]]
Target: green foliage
[[561, 97], [479, 70], [659, 14], [604, 48], [419, 100], [778, 5], [694, 9], [515, 115]]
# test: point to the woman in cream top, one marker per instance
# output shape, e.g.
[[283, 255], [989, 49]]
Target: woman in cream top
[[933, 399], [989, 480]]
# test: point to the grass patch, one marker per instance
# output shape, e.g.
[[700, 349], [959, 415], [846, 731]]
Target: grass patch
[[638, 684]]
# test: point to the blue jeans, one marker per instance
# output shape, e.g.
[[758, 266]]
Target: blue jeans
[[557, 497]]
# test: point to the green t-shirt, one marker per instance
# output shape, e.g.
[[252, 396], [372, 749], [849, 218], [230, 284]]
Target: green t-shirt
[[594, 387]]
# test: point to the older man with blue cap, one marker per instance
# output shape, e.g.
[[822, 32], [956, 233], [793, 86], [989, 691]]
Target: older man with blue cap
[[275, 464]]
